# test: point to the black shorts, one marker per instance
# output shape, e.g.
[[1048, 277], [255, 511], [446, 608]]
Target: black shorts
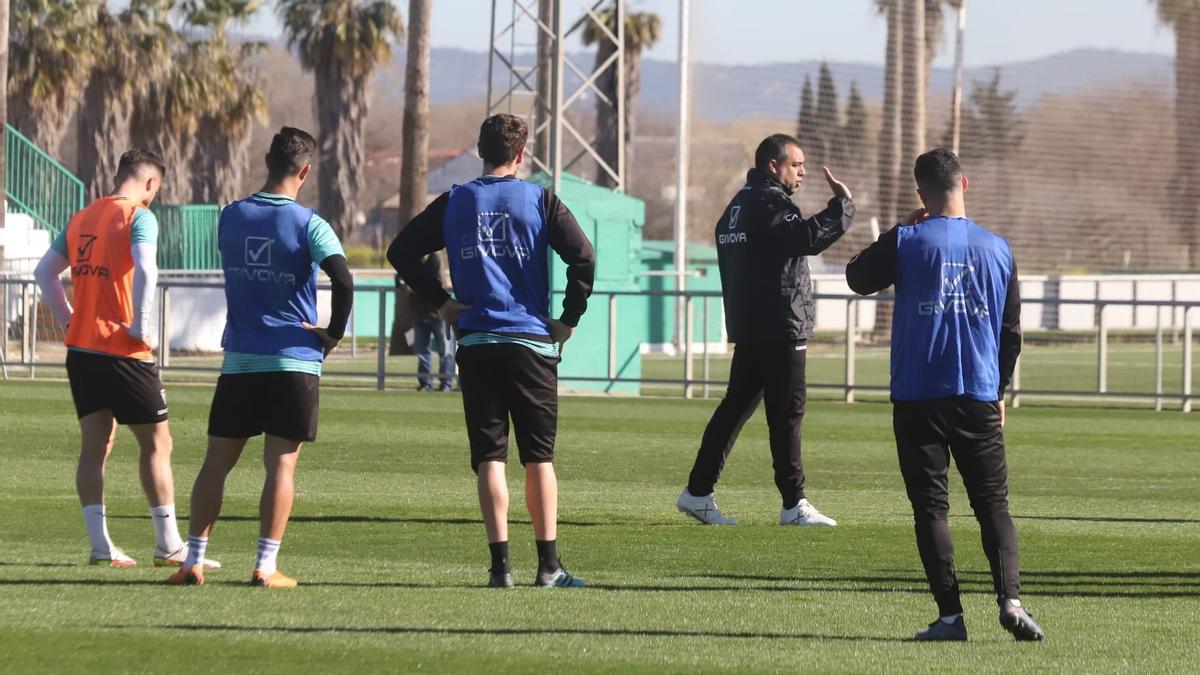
[[131, 389], [280, 404], [508, 379]]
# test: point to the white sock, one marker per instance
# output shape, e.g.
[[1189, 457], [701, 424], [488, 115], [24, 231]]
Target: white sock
[[165, 528], [948, 620], [97, 529], [195, 556], [268, 550]]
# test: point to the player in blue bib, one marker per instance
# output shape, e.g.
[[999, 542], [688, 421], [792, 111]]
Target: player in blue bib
[[498, 232], [956, 335], [271, 247]]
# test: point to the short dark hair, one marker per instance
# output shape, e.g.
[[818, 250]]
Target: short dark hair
[[501, 138], [291, 149], [773, 147], [938, 172], [133, 162]]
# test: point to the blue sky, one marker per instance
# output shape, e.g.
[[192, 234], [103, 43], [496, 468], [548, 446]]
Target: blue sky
[[759, 31]]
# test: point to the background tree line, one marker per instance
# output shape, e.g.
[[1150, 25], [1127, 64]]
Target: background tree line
[[166, 75]]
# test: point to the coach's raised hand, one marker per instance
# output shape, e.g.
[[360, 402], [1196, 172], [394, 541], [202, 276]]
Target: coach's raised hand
[[839, 188]]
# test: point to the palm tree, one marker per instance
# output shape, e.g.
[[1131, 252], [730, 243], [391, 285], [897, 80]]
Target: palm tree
[[889, 137], [52, 47], [168, 110], [222, 160], [415, 134], [3, 101], [108, 100], [642, 31], [238, 100], [1184, 17], [894, 150], [414, 143], [935, 21], [912, 99], [341, 42]]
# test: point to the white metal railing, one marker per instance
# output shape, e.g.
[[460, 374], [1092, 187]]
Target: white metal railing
[[19, 341]]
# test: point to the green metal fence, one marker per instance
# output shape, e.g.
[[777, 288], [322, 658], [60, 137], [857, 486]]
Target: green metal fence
[[37, 185], [187, 236]]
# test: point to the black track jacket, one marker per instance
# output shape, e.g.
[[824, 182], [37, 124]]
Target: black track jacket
[[762, 241]]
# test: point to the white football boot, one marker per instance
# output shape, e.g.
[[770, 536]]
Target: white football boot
[[805, 514], [176, 559], [703, 509]]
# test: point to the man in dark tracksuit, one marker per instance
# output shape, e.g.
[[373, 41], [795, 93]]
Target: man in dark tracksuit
[[762, 244], [956, 335]]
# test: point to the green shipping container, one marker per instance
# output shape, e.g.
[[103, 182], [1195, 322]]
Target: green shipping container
[[613, 222], [658, 263]]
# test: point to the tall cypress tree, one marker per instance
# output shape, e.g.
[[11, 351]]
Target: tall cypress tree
[[807, 128], [828, 122], [992, 125], [854, 133]]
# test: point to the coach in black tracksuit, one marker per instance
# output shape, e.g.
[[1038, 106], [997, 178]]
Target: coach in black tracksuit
[[762, 244]]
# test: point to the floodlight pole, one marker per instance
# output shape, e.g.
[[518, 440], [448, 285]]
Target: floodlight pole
[[958, 76], [681, 175]]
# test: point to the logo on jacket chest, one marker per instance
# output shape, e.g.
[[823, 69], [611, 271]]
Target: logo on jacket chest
[[495, 237], [732, 237]]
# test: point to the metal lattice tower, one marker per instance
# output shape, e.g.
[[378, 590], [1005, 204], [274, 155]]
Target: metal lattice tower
[[531, 74]]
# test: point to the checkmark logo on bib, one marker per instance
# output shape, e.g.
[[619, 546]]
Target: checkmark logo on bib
[[258, 251]]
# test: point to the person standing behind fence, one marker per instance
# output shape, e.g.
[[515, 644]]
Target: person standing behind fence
[[110, 247], [270, 248], [498, 231], [956, 335], [430, 330], [762, 244]]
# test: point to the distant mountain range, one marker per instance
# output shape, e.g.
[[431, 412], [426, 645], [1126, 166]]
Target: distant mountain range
[[725, 93]]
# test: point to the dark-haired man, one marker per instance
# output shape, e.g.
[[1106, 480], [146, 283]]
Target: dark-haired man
[[110, 248], [762, 246], [270, 248], [956, 335], [497, 232]]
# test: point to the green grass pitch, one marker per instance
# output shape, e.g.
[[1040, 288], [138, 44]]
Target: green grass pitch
[[387, 543]]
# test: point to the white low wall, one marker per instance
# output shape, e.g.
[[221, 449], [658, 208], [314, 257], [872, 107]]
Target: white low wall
[[23, 244], [831, 314], [197, 315]]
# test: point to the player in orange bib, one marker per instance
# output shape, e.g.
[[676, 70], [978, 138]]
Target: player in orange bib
[[110, 248]]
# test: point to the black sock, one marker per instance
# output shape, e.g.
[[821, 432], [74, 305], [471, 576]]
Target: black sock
[[547, 556], [500, 557]]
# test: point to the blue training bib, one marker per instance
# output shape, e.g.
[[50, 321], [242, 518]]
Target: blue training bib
[[270, 279], [951, 284]]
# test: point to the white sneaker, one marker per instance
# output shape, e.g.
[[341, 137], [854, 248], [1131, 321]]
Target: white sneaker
[[805, 513], [114, 557], [703, 509], [176, 559]]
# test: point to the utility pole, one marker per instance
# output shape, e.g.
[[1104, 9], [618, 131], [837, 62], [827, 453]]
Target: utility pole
[[681, 176], [956, 133]]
